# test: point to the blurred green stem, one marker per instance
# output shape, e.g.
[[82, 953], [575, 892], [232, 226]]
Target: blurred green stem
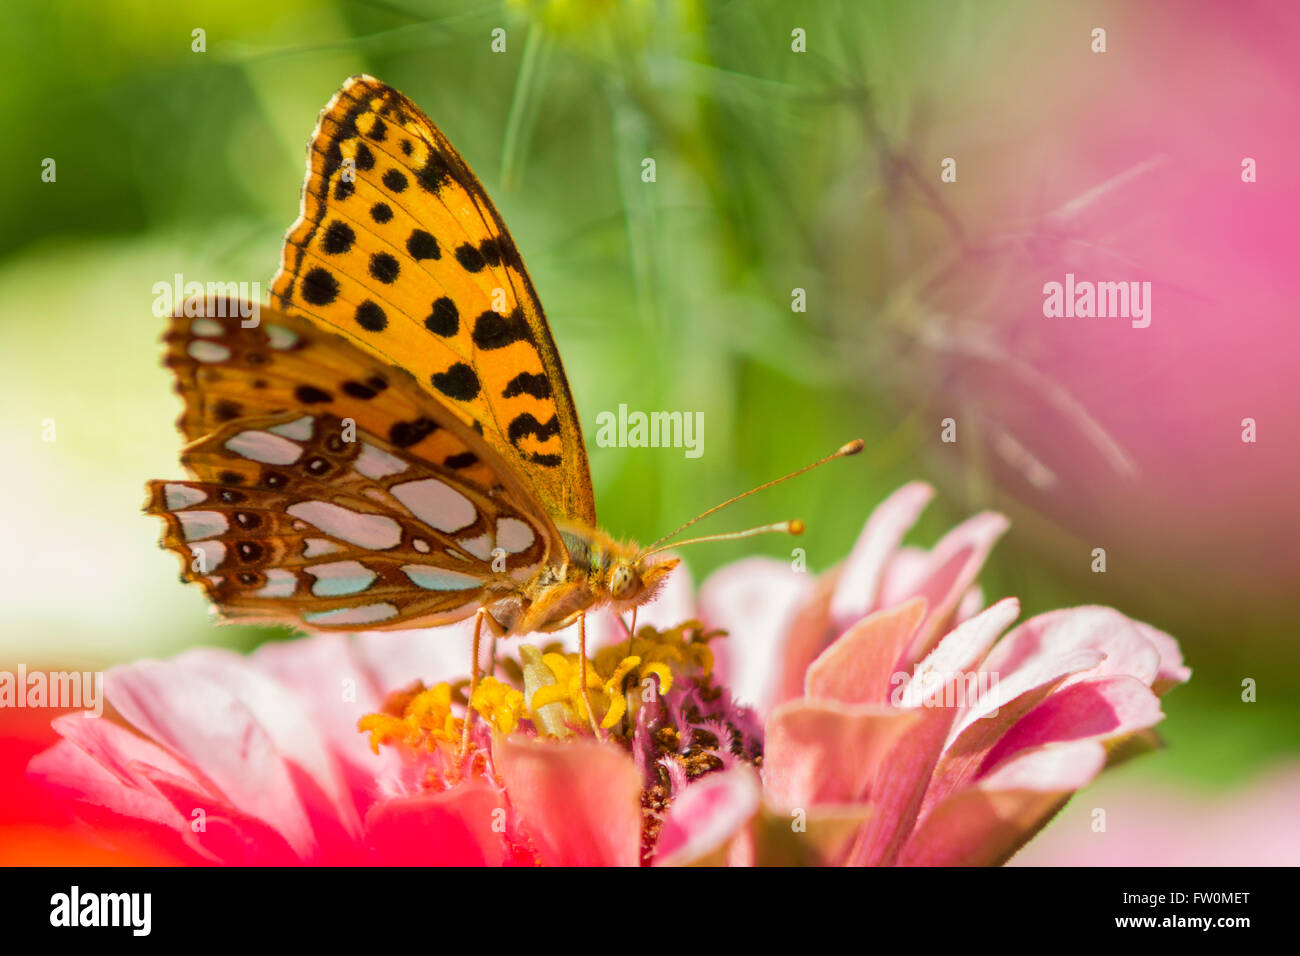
[[523, 105]]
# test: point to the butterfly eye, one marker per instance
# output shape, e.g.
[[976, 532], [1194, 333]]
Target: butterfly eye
[[621, 581]]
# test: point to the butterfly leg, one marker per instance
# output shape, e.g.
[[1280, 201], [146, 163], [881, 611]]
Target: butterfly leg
[[631, 633], [582, 673], [473, 683]]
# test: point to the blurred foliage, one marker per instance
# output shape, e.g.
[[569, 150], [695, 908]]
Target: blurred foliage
[[775, 171]]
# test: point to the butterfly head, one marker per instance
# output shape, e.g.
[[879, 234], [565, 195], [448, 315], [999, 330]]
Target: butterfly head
[[635, 580]]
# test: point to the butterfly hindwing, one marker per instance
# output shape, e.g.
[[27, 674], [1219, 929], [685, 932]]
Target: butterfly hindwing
[[399, 249], [225, 371], [338, 534], [344, 495]]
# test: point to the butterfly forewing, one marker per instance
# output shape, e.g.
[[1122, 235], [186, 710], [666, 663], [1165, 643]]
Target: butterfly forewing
[[338, 507], [399, 248]]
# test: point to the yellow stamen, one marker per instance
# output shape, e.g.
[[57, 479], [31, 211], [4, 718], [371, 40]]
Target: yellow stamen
[[423, 719], [664, 674], [499, 704]]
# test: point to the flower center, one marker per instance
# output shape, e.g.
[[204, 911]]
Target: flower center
[[653, 694]]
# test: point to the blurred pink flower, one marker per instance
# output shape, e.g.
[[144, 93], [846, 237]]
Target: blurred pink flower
[[1168, 825], [888, 725]]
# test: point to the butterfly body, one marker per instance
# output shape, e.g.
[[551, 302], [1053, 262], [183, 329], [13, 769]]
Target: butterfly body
[[599, 571]]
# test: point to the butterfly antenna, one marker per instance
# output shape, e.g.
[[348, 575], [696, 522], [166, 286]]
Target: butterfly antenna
[[852, 448], [794, 526]]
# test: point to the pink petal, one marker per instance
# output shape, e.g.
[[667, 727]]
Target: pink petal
[[903, 577], [972, 602], [856, 595], [1171, 671], [1148, 824], [809, 633], [707, 815], [958, 653], [294, 735], [981, 727], [954, 564], [899, 790], [1102, 709], [451, 828], [119, 750], [756, 601], [72, 773], [222, 831], [580, 801], [1126, 648], [208, 726], [859, 667], [825, 752], [335, 687], [985, 824]]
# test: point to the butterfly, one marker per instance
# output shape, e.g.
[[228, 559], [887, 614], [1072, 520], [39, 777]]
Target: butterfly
[[393, 444]]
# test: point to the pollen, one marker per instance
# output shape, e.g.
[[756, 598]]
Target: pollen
[[419, 717], [541, 694], [620, 678], [500, 704]]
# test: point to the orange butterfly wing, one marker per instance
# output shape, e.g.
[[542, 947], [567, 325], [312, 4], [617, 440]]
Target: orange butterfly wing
[[399, 249], [330, 489]]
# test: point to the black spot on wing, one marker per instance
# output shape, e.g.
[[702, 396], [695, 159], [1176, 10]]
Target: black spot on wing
[[462, 460], [371, 317], [311, 395], [458, 382], [528, 383], [338, 238], [434, 174], [470, 258], [524, 425], [357, 390], [492, 330], [405, 434], [444, 319], [422, 245], [319, 287], [384, 267], [395, 181]]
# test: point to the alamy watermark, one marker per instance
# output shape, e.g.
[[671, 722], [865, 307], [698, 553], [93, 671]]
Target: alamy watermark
[[218, 300], [133, 911], [930, 688], [1082, 299], [626, 429], [62, 690]]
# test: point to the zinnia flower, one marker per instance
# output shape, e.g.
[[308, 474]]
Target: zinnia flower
[[869, 716]]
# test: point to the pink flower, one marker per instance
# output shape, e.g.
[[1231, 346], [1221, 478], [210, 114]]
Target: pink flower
[[1168, 825], [864, 656], [842, 757]]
